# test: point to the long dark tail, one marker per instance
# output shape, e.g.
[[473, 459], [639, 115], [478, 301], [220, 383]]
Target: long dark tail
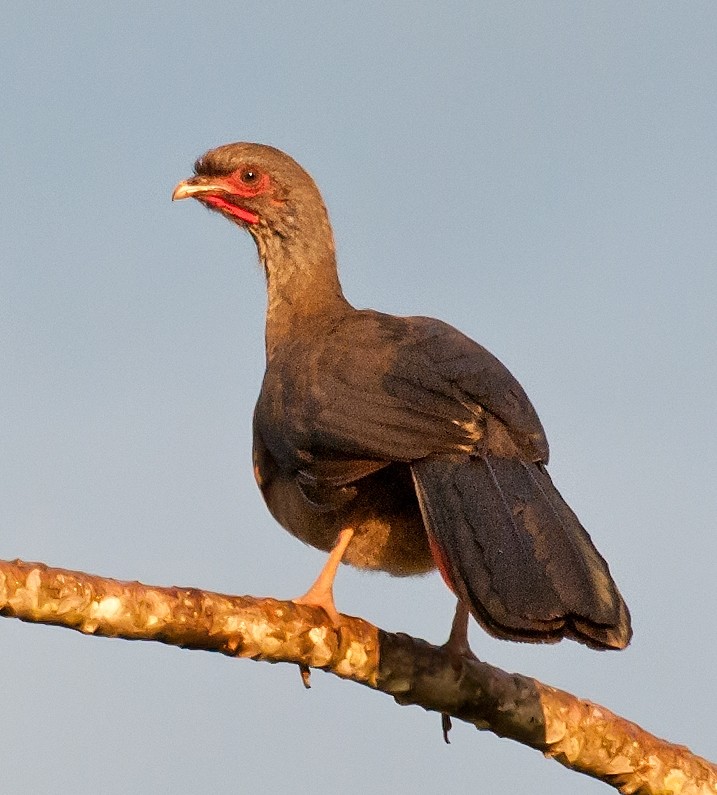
[[512, 549]]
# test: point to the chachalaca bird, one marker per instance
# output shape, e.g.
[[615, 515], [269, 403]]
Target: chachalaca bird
[[398, 443]]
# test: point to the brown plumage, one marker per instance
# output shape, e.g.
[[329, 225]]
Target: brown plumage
[[401, 431]]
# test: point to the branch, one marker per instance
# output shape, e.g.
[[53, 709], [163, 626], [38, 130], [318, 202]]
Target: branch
[[578, 734]]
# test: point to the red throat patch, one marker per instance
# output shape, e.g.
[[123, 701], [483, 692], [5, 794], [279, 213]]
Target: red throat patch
[[231, 209]]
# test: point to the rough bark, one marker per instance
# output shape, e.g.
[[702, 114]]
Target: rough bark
[[580, 735]]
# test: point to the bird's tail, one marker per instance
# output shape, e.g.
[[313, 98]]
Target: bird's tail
[[511, 548]]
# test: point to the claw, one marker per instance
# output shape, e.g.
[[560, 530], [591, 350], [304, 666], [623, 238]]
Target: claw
[[447, 725], [305, 672]]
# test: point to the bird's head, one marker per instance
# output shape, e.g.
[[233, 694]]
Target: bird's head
[[266, 192], [255, 186]]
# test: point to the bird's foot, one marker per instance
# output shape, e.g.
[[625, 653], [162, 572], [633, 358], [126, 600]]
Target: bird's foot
[[458, 649], [320, 597], [457, 644], [321, 593]]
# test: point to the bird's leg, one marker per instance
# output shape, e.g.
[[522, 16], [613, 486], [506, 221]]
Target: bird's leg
[[321, 593], [458, 648], [457, 644]]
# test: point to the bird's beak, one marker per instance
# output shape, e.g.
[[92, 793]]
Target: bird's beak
[[193, 188]]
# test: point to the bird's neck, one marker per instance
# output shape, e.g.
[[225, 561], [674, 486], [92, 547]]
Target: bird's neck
[[302, 281]]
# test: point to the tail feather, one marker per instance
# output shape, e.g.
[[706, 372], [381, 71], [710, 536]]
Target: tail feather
[[516, 553]]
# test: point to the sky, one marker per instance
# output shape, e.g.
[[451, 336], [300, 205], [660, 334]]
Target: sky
[[539, 174]]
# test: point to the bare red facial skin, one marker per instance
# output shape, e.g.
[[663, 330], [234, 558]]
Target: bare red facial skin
[[236, 185], [232, 209]]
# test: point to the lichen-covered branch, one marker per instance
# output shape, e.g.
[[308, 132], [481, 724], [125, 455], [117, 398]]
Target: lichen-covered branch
[[580, 735]]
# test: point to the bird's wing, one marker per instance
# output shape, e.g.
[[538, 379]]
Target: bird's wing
[[474, 377], [388, 389]]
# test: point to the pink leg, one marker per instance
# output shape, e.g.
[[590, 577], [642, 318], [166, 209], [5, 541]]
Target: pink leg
[[457, 642], [321, 593]]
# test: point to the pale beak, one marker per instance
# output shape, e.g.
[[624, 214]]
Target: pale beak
[[189, 189]]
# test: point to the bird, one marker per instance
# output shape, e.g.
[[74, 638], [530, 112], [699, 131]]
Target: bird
[[397, 443]]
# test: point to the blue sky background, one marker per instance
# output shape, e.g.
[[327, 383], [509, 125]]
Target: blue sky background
[[539, 174]]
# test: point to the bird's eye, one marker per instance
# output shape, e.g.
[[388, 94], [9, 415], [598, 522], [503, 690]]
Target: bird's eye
[[249, 176]]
